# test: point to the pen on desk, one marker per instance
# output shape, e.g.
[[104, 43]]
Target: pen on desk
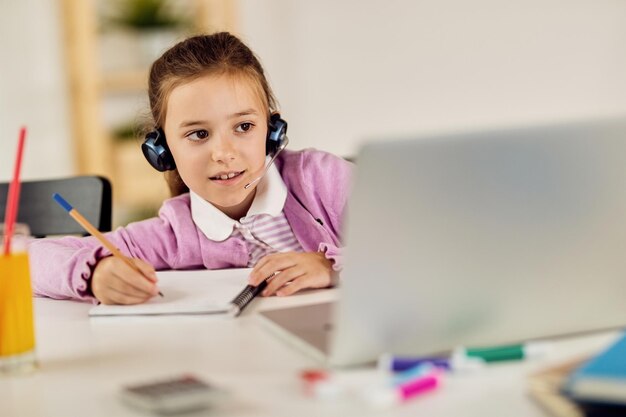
[[94, 232]]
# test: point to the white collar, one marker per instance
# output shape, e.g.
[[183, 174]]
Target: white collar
[[270, 197]]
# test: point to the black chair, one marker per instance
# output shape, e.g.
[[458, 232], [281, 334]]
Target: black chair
[[90, 195]]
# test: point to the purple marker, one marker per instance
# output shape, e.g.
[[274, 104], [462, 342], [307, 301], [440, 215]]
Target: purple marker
[[391, 363]]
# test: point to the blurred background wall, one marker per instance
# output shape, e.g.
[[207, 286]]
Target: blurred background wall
[[348, 70], [33, 89], [343, 71]]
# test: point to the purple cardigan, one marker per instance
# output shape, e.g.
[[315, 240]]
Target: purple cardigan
[[318, 185]]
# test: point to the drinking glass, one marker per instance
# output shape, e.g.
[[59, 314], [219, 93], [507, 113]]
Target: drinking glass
[[17, 334]]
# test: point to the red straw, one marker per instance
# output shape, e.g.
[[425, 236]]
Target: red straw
[[14, 195]]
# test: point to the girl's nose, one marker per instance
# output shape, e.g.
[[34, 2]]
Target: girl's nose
[[223, 150]]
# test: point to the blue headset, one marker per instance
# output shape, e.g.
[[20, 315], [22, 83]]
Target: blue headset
[[157, 153]]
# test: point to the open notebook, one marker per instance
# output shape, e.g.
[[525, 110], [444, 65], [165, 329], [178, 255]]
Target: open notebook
[[187, 292]]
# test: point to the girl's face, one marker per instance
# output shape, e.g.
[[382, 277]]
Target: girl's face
[[216, 128]]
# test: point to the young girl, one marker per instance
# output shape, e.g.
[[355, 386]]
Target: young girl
[[217, 130]]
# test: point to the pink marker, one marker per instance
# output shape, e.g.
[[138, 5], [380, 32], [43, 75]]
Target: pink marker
[[387, 396]]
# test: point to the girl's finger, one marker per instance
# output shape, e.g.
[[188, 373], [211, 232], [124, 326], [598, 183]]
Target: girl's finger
[[147, 269], [120, 286], [135, 279], [257, 275], [281, 279], [278, 262], [294, 286], [123, 298]]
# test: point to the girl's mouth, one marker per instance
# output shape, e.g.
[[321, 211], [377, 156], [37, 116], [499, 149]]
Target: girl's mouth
[[227, 177]]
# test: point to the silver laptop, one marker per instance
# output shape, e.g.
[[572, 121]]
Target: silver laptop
[[476, 239]]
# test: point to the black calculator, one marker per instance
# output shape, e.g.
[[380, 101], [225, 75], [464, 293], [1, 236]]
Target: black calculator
[[173, 395]]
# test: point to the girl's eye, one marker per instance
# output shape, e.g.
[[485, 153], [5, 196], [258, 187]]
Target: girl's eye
[[244, 127], [198, 135]]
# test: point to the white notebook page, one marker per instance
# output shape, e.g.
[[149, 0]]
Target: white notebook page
[[186, 292]]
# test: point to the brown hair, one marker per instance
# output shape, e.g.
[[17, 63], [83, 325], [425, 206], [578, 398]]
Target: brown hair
[[219, 53]]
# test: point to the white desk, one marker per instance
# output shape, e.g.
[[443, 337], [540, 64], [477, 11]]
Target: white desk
[[83, 363]]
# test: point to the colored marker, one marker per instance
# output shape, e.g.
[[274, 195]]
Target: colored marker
[[388, 396], [457, 363], [505, 353], [415, 372], [321, 385], [95, 233], [388, 362]]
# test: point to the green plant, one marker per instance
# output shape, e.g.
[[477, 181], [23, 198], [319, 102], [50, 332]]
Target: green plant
[[145, 14]]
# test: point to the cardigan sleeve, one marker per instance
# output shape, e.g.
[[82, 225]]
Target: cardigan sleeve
[[61, 268], [332, 253], [329, 179]]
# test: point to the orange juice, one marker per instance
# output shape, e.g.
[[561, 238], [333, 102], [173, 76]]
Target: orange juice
[[17, 333], [16, 305]]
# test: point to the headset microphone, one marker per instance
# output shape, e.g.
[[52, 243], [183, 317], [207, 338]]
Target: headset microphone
[[283, 145]]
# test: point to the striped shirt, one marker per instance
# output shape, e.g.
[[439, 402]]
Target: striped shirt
[[265, 234]]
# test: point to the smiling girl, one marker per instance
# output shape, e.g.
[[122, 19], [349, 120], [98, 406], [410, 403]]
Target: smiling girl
[[239, 200]]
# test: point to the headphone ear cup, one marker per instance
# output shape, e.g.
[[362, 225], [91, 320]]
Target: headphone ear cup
[[276, 132], [270, 147], [157, 153]]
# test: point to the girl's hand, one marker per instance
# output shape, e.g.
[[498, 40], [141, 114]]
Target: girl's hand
[[114, 282], [297, 271]]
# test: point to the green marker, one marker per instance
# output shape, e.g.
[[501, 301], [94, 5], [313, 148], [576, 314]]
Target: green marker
[[506, 353]]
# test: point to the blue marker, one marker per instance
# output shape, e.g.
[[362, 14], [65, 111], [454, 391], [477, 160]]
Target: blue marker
[[415, 372]]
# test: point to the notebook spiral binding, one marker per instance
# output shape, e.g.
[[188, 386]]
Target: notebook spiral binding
[[244, 297]]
